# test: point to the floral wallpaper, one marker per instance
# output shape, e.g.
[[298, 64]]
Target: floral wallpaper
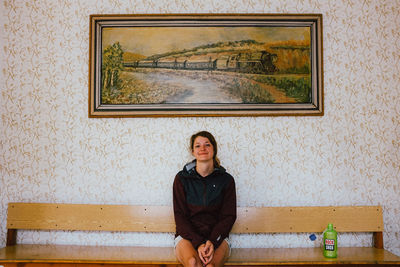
[[50, 151]]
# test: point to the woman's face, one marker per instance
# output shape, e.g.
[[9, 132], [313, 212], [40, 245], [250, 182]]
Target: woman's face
[[203, 150]]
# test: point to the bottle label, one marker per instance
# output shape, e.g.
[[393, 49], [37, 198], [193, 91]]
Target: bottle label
[[330, 244]]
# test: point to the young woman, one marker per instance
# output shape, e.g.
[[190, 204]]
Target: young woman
[[204, 197]]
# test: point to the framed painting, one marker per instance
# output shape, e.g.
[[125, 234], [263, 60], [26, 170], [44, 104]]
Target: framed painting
[[205, 65]]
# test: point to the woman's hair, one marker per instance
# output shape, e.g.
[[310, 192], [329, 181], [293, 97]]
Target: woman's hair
[[211, 138]]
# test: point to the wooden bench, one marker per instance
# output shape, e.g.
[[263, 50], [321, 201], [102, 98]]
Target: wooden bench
[[265, 220]]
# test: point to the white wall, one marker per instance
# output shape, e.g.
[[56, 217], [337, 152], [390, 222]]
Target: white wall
[[50, 151]]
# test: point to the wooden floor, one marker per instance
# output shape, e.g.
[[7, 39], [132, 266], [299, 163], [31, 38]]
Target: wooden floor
[[164, 256]]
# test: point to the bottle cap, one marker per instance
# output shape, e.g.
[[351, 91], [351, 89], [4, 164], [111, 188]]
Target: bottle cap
[[312, 237]]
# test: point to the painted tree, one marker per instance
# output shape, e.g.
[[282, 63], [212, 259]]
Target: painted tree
[[112, 66]]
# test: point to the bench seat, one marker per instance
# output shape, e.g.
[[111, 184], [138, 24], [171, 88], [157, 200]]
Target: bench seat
[[164, 256], [159, 219]]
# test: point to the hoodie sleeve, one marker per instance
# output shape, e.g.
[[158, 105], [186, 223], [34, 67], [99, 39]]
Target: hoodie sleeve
[[227, 216], [181, 213]]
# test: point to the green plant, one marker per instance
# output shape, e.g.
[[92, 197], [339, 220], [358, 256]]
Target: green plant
[[250, 93], [296, 87]]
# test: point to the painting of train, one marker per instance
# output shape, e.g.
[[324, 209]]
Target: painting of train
[[260, 62], [221, 64]]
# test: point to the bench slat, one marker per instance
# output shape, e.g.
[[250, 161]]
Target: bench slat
[[165, 255], [309, 219], [38, 216]]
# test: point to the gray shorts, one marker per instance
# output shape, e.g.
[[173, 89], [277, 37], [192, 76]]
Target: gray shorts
[[179, 238]]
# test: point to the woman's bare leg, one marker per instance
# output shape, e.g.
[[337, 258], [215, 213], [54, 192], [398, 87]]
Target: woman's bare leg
[[221, 255], [187, 255]]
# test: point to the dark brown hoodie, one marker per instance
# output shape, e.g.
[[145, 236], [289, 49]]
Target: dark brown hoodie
[[204, 207]]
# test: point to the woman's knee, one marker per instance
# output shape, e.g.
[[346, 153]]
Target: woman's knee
[[192, 262]]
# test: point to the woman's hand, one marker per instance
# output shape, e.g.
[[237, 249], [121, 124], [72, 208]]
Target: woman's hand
[[206, 252]]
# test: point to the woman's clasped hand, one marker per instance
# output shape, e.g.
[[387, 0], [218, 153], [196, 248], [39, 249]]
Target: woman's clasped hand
[[206, 252]]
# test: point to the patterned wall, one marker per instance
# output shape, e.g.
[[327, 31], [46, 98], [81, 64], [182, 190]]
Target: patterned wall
[[50, 151]]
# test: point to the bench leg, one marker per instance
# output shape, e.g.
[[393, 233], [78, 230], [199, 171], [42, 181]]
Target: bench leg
[[378, 240], [11, 237]]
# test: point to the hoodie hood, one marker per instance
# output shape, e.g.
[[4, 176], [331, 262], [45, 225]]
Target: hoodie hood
[[190, 168]]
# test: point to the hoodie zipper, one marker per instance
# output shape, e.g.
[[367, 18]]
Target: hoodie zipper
[[204, 192]]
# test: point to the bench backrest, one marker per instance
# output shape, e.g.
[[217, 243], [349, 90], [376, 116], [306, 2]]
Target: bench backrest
[[89, 217]]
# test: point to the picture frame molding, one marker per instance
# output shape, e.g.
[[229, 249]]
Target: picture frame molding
[[99, 21]]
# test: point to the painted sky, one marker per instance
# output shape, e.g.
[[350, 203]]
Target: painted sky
[[148, 41]]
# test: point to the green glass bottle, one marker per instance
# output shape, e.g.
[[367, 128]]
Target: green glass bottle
[[330, 242]]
